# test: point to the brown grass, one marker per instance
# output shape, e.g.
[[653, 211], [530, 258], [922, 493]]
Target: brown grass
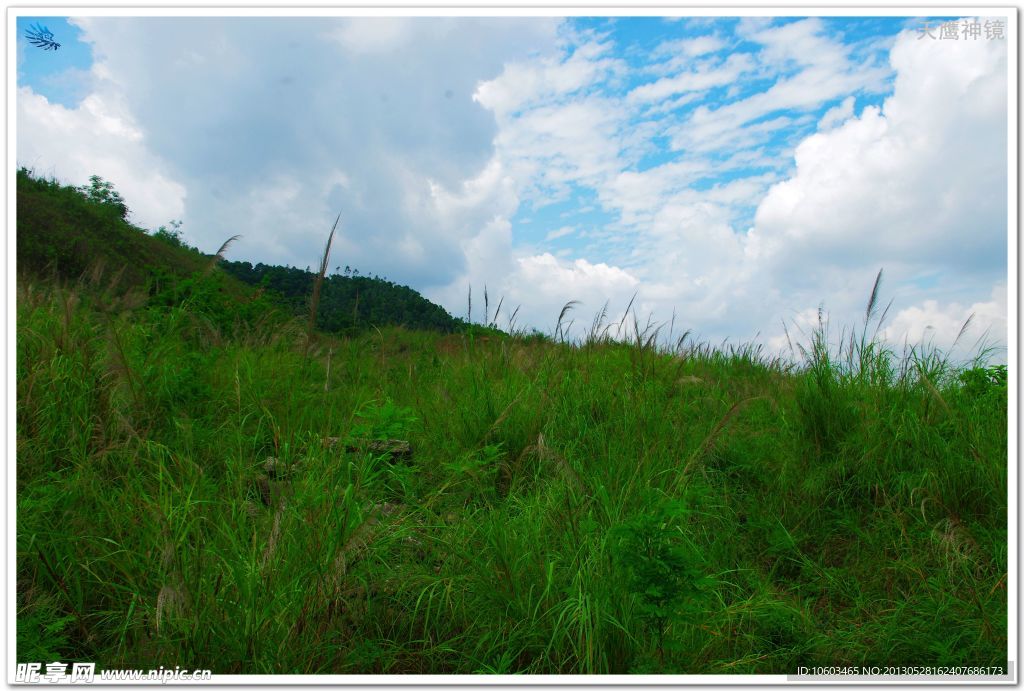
[[314, 302]]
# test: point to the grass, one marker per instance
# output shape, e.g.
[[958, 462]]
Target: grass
[[604, 506]]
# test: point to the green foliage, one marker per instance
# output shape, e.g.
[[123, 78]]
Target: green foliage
[[665, 571], [64, 232], [172, 236], [475, 473], [384, 420], [193, 488], [102, 192], [349, 303], [982, 381], [208, 295], [43, 632]]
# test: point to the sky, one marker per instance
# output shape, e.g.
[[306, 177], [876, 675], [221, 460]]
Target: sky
[[734, 174]]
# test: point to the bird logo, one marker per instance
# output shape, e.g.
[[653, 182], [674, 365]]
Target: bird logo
[[41, 37]]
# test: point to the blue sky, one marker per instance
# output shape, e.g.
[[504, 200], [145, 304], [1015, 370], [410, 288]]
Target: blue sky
[[739, 171], [61, 75]]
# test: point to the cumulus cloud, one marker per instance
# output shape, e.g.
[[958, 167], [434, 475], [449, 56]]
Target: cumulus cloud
[[97, 138], [275, 125], [435, 137], [978, 325], [917, 186], [919, 181], [543, 284]]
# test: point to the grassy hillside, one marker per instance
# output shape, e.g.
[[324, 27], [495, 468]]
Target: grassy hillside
[[221, 494], [62, 233], [66, 233]]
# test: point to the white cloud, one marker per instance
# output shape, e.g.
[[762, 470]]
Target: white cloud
[[836, 115], [542, 284], [824, 70], [373, 34], [560, 233], [431, 136], [552, 76], [97, 138], [274, 125], [702, 77], [690, 47], [917, 186], [919, 181], [939, 324]]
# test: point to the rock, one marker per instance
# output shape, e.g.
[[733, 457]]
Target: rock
[[397, 448]]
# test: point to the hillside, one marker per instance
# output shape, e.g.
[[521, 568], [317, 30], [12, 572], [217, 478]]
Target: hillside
[[202, 485], [63, 233]]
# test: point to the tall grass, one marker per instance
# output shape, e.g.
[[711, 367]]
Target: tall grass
[[601, 507], [314, 301]]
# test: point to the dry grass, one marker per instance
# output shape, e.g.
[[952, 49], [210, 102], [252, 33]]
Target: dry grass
[[314, 302]]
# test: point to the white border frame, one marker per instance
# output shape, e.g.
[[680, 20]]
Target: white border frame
[[421, 9]]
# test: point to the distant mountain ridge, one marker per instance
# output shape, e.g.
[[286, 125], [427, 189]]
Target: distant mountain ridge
[[347, 301]]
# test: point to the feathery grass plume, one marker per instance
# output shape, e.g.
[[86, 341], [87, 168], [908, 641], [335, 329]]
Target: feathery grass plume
[[595, 326], [219, 254], [873, 300], [494, 320], [119, 363], [936, 394], [487, 306], [314, 302], [963, 330], [174, 598], [95, 273], [469, 305], [504, 414], [651, 343], [623, 320], [680, 343], [512, 320], [881, 322], [789, 341], [561, 315], [713, 436], [546, 453], [275, 534]]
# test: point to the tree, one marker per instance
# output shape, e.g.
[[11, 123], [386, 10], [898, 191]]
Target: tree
[[172, 236], [102, 191]]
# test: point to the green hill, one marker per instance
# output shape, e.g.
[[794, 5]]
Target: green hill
[[62, 233], [347, 302], [65, 232], [202, 485]]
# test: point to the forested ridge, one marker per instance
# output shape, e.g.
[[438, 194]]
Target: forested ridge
[[347, 301]]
